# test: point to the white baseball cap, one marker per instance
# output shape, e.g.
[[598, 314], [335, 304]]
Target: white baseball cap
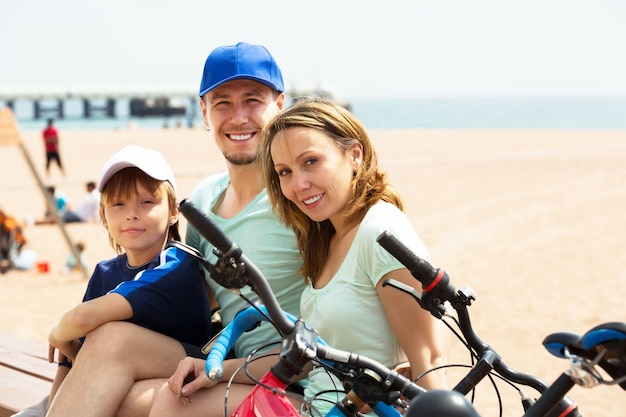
[[148, 160]]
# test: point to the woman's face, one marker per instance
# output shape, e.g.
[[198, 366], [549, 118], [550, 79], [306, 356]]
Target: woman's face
[[315, 174]]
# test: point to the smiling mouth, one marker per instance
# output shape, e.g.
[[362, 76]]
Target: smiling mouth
[[313, 199], [240, 137]]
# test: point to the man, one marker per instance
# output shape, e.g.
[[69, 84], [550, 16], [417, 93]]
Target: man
[[51, 143], [89, 209], [120, 365]]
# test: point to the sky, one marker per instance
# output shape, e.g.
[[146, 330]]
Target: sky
[[359, 49]]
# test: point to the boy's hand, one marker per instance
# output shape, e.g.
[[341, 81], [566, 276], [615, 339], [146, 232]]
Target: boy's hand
[[188, 378]]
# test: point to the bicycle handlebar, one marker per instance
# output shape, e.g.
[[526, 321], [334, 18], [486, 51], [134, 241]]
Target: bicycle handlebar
[[247, 318], [236, 258], [244, 320]]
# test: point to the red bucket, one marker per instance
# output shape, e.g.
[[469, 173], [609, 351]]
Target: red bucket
[[43, 267]]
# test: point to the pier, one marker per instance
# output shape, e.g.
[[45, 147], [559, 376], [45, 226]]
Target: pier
[[108, 101], [102, 101]]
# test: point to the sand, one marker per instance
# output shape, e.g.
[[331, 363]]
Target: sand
[[533, 221]]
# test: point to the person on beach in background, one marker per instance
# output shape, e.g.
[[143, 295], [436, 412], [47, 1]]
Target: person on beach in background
[[323, 180], [72, 264], [155, 283], [59, 208], [51, 144], [241, 89], [12, 240], [89, 208]]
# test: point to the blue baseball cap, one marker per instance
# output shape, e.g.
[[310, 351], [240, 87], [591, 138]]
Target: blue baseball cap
[[241, 61]]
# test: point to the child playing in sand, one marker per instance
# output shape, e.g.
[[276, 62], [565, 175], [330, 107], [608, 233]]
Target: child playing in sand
[[71, 264], [151, 282]]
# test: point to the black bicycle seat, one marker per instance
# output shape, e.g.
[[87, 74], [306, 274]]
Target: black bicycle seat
[[612, 337], [556, 343]]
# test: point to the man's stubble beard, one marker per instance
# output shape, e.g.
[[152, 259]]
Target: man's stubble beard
[[241, 159]]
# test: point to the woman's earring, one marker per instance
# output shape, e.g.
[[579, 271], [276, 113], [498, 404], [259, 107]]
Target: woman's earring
[[208, 129]]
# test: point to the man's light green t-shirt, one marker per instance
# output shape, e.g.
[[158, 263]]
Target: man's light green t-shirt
[[266, 242]]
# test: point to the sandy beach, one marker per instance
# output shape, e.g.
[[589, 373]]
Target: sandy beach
[[533, 221]]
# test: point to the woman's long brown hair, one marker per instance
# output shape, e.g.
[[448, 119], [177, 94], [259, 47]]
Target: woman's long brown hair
[[369, 184]]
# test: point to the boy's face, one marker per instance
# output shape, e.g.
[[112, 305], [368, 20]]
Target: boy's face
[[236, 111], [139, 224]]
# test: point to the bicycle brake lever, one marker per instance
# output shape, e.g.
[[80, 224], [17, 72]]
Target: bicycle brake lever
[[226, 271], [229, 273], [438, 310]]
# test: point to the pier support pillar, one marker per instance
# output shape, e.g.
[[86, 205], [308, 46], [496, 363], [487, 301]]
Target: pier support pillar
[[110, 108], [107, 109], [55, 110], [86, 109]]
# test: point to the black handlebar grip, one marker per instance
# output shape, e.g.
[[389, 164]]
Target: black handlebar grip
[[419, 268], [206, 227]]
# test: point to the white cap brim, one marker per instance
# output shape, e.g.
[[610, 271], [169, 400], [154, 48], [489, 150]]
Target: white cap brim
[[148, 160]]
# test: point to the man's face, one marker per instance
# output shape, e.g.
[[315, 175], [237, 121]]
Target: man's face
[[236, 111]]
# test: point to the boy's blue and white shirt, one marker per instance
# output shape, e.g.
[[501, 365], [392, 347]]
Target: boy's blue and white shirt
[[167, 295]]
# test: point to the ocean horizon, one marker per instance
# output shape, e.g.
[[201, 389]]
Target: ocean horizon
[[605, 113]]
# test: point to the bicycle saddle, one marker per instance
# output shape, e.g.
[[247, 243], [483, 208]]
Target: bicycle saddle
[[612, 338], [556, 343]]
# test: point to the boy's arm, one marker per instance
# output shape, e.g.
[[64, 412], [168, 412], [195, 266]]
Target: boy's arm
[[89, 315]]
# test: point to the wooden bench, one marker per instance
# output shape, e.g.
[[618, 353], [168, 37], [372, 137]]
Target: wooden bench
[[25, 374]]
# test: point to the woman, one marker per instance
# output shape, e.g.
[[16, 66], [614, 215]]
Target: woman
[[324, 182]]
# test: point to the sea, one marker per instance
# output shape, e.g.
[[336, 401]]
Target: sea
[[604, 113]]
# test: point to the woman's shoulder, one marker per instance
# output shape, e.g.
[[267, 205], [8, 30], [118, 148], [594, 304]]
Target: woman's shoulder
[[386, 217], [382, 215]]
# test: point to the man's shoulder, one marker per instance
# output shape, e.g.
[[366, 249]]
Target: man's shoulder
[[210, 186], [214, 180]]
